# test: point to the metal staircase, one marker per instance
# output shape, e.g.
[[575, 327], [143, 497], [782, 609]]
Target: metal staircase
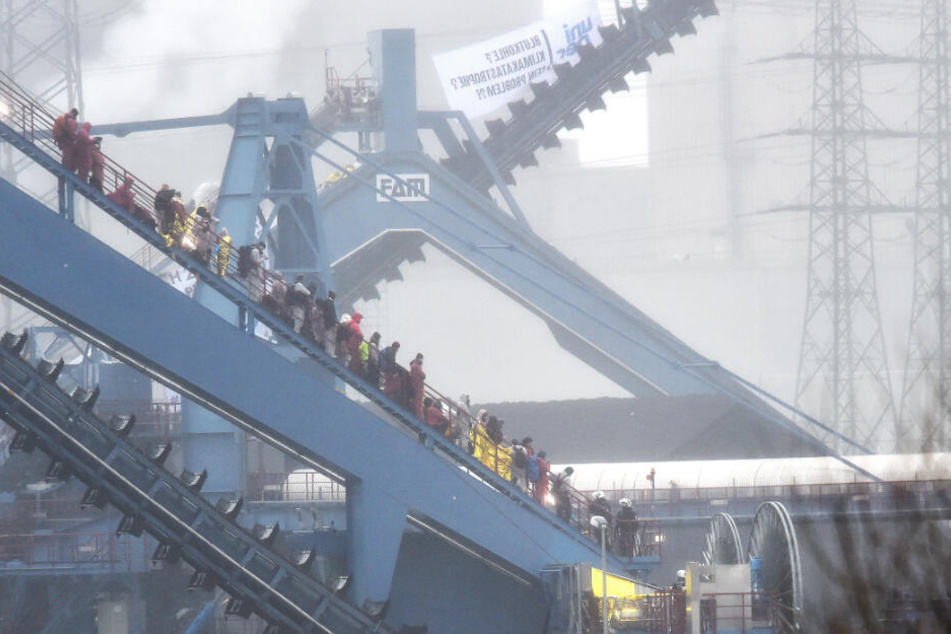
[[171, 509]]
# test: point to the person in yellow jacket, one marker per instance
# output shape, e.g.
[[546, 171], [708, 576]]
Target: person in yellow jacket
[[224, 252], [364, 350], [193, 227], [179, 220]]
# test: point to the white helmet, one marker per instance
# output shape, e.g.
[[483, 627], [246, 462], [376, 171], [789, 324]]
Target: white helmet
[[626, 503], [599, 495], [681, 574]]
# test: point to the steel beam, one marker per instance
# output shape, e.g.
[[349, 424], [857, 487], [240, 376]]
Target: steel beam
[[242, 379]]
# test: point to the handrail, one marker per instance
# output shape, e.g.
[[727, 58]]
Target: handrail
[[34, 124], [675, 500], [77, 549]]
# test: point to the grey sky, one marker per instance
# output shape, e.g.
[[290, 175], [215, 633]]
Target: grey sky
[[681, 240]]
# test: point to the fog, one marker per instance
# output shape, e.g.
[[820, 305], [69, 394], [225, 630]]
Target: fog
[[666, 196], [682, 196]]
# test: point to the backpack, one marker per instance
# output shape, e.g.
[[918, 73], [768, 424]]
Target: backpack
[[532, 472], [343, 332], [60, 133], [519, 458], [244, 261], [163, 199], [293, 298]]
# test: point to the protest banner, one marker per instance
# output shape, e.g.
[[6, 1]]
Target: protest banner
[[484, 77]]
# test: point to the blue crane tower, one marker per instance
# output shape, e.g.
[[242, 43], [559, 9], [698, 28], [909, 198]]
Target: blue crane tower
[[432, 535]]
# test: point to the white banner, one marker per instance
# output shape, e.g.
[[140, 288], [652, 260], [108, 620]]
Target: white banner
[[483, 77]]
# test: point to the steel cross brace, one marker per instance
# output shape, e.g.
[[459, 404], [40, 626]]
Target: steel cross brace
[[462, 225]]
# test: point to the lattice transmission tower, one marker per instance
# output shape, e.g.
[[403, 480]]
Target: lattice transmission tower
[[843, 371], [39, 48], [926, 394]]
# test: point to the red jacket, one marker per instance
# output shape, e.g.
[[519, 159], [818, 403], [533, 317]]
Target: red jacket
[[544, 468], [436, 419], [417, 376], [356, 334], [64, 129], [124, 196], [68, 144], [82, 150], [98, 162]]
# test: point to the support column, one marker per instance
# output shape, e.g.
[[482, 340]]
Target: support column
[[375, 525], [393, 54]]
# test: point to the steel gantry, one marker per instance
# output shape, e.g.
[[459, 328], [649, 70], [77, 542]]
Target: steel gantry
[[370, 231], [399, 477], [393, 481]]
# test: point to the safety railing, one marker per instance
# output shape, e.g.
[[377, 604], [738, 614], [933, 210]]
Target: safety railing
[[297, 486], [353, 98], [152, 418], [887, 495], [41, 510], [76, 551], [666, 612], [737, 612], [21, 112], [638, 538], [34, 124]]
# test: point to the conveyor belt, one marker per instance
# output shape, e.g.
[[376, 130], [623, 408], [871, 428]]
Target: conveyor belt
[[258, 578], [239, 297], [80, 284], [534, 124]]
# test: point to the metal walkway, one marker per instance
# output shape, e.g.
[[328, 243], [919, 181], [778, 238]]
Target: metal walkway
[[79, 283]]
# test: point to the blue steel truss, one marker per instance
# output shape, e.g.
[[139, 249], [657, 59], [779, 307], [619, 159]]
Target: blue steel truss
[[586, 317], [429, 484], [237, 377]]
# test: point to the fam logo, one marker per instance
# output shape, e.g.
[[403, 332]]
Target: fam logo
[[405, 188]]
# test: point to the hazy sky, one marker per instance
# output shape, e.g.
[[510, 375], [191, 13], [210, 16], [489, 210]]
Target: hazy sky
[[162, 61], [682, 240]]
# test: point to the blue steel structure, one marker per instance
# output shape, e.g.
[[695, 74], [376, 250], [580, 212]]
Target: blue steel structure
[[314, 422], [409, 493], [266, 171], [453, 213], [170, 507]]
